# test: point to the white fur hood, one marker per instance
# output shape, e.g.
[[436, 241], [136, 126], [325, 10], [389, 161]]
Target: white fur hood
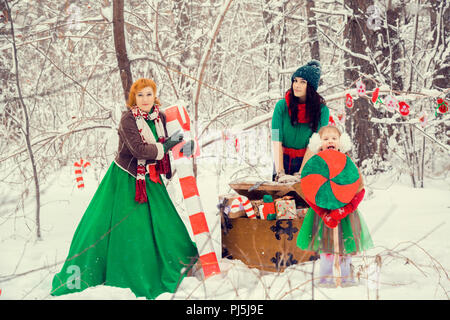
[[345, 143]]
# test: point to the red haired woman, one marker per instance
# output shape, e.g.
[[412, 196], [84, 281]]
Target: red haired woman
[[131, 235]]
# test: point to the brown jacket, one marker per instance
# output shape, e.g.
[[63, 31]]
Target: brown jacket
[[131, 148]]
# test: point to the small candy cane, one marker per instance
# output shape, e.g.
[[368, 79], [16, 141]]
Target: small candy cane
[[79, 167], [235, 206]]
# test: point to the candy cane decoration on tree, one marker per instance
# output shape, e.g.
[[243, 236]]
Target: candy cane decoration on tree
[[177, 118], [248, 208], [79, 168]]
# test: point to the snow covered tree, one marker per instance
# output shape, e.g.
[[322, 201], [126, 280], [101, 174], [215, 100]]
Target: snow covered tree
[[121, 49]]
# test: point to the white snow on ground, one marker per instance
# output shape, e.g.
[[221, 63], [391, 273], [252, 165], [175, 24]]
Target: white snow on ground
[[409, 228]]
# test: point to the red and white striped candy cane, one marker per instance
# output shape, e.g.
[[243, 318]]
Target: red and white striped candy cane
[[79, 168], [235, 206], [177, 118]]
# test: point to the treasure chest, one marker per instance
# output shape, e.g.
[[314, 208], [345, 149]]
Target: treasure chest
[[269, 245]]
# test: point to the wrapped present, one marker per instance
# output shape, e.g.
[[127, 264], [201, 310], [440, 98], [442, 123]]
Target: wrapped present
[[268, 210], [285, 208], [301, 212]]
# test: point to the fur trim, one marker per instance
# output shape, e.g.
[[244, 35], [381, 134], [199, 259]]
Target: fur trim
[[315, 143], [160, 149], [345, 143]]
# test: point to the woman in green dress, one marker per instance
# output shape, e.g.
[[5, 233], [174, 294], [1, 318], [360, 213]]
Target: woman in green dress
[[131, 235]]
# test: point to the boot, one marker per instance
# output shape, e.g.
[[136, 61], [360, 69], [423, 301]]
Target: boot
[[347, 279], [326, 271]]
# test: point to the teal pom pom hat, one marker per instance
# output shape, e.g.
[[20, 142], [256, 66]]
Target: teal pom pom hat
[[310, 72]]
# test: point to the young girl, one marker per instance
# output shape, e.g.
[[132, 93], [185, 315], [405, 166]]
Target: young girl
[[131, 235], [317, 231]]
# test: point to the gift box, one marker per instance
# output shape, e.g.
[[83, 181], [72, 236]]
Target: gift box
[[301, 212], [285, 208], [268, 211]]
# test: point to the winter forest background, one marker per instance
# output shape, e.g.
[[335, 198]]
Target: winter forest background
[[66, 68]]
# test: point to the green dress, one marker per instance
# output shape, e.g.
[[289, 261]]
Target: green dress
[[353, 234], [293, 137], [296, 137], [122, 243]]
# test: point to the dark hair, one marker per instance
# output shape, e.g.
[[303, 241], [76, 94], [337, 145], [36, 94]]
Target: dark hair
[[313, 102]]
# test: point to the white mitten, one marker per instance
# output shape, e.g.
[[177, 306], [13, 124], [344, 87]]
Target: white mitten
[[345, 144], [315, 143]]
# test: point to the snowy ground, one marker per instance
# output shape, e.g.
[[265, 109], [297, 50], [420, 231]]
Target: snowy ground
[[409, 228]]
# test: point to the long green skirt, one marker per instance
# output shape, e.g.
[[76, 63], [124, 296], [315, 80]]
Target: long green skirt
[[119, 242], [353, 235]]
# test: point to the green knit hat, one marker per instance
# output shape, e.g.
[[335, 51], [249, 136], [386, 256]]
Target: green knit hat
[[310, 72]]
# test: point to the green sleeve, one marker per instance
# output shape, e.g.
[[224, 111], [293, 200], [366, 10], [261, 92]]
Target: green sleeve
[[277, 122], [324, 117]]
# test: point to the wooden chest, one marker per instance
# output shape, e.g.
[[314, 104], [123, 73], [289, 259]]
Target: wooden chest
[[268, 245]]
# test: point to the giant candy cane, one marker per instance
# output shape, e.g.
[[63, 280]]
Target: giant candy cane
[[177, 118]]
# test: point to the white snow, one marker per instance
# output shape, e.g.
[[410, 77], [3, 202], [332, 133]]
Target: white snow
[[409, 228]]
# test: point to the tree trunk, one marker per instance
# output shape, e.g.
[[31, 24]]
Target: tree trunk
[[275, 40], [440, 16], [121, 48], [393, 49], [202, 69], [364, 134], [25, 128], [312, 31]]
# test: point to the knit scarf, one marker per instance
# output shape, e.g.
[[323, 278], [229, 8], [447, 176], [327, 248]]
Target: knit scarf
[[147, 138], [301, 114]]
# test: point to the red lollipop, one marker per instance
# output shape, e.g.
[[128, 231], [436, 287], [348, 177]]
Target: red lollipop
[[330, 179]]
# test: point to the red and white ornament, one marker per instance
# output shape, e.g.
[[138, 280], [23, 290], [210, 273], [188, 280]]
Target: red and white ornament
[[349, 100], [423, 118], [391, 103], [442, 105], [231, 138], [403, 108], [331, 121], [361, 88], [376, 98]]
